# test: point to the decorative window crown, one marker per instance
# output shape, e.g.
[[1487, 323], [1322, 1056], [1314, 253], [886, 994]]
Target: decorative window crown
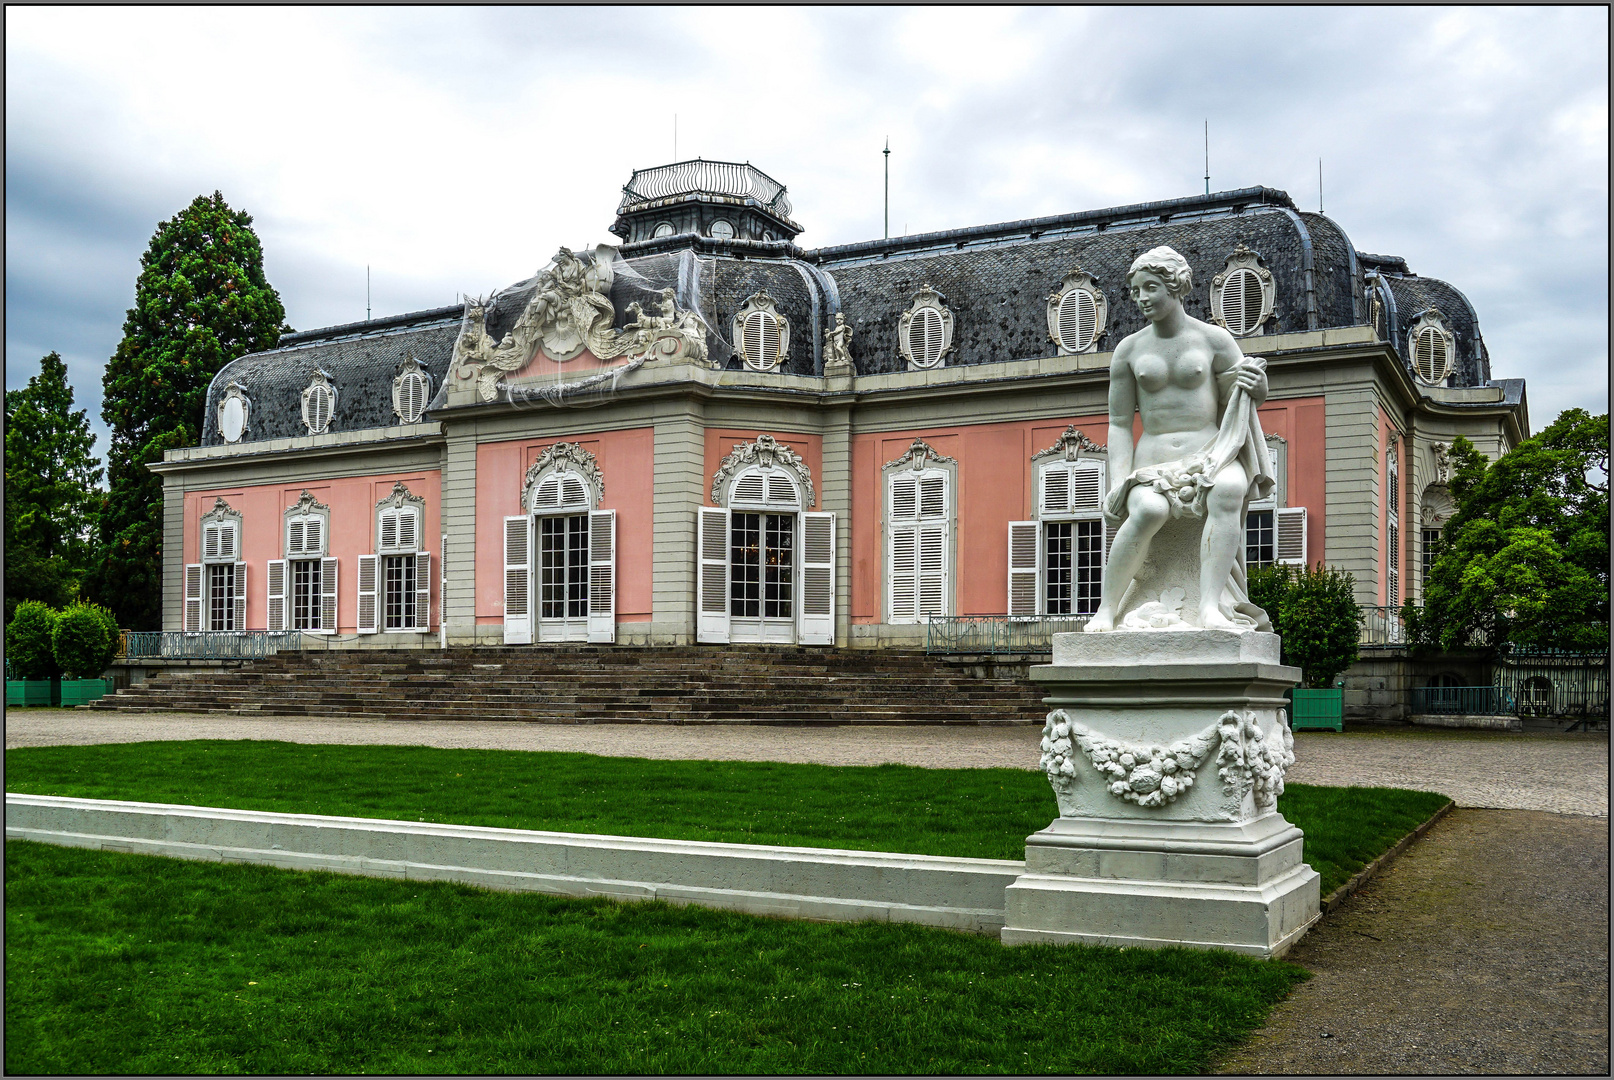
[[1070, 445], [221, 533], [761, 333], [759, 459], [234, 412], [1077, 313], [1244, 294], [1432, 347], [400, 521], [319, 403], [921, 455], [925, 330], [411, 391], [308, 527], [565, 476]]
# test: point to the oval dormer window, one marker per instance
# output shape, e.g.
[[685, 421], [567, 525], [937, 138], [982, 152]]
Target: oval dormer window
[[233, 413], [1433, 355], [664, 229], [1078, 320], [722, 230], [760, 341], [1241, 301], [319, 402], [925, 337]]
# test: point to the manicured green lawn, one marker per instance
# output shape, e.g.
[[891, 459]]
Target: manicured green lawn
[[979, 813], [134, 964]]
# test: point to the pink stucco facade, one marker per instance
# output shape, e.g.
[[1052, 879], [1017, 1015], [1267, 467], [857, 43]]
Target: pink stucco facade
[[353, 523], [627, 465], [995, 480]]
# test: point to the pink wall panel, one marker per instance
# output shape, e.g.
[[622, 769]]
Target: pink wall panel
[[352, 501], [627, 464], [1302, 424]]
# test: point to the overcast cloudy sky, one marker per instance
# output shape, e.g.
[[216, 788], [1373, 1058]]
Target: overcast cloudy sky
[[454, 149]]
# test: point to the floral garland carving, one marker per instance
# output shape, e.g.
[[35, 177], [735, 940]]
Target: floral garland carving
[[1151, 774]]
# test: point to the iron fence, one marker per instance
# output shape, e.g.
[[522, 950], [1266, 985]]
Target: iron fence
[[1555, 682], [1382, 627], [1462, 700], [207, 645], [719, 177], [997, 634]]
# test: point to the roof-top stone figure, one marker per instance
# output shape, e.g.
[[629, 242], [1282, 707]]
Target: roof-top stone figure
[[1178, 497]]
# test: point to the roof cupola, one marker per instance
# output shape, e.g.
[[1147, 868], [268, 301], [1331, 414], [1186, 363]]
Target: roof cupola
[[724, 200]]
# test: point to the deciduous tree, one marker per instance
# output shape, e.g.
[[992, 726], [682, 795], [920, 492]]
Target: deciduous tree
[[1524, 560], [200, 302]]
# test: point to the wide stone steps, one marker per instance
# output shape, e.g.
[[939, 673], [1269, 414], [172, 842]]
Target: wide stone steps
[[596, 685]]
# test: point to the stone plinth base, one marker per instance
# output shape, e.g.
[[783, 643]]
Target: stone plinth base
[[1166, 749], [1153, 884]]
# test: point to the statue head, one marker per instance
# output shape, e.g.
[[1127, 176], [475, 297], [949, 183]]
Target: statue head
[[1165, 264]]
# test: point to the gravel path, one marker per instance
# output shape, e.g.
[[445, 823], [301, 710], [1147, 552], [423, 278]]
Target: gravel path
[[1482, 949], [1565, 774]]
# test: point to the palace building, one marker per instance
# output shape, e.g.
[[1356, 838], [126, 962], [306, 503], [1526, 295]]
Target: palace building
[[711, 434]]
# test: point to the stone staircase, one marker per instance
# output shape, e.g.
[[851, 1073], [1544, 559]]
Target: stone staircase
[[580, 684]]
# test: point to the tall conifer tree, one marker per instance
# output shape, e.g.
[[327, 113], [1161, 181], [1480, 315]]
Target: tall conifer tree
[[50, 489], [200, 302]]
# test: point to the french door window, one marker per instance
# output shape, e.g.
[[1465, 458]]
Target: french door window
[[1073, 554], [762, 565], [306, 594], [563, 567], [221, 596], [399, 579]]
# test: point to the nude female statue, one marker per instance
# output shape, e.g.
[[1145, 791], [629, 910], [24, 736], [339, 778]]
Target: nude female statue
[[1201, 453]]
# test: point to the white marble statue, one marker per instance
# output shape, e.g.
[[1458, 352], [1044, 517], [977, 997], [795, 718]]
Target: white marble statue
[[1178, 496], [838, 347]]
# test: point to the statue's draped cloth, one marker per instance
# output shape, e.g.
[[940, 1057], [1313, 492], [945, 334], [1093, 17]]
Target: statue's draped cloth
[[1186, 483]]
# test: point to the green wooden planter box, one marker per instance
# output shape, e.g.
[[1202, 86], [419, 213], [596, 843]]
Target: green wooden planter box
[[1317, 710], [31, 693], [84, 691]]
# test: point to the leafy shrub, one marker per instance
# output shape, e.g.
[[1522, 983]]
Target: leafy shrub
[[1314, 610], [85, 640], [28, 641]]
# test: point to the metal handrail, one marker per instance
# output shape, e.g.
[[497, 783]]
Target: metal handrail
[[997, 634], [206, 645], [718, 177], [1382, 626], [1462, 701]]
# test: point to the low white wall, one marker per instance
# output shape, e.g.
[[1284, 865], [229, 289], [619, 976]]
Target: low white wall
[[807, 883]]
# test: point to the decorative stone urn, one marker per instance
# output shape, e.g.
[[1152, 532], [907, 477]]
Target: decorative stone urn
[[1166, 750]]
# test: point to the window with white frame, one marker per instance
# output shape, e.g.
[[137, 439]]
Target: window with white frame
[[1244, 294], [1392, 522], [1076, 314], [925, 330], [1056, 563], [917, 544], [762, 333], [1275, 533], [411, 391], [319, 403], [560, 556], [216, 588], [395, 581], [302, 585]]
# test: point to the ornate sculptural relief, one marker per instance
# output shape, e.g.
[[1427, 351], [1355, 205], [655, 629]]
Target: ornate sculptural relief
[[570, 310], [838, 347]]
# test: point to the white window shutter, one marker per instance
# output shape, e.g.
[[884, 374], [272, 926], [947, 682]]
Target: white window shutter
[[933, 495], [294, 537], [518, 580], [1056, 489], [327, 596], [423, 591], [933, 569], [240, 613], [780, 489], [1023, 564], [904, 574], [407, 520], [547, 496], [749, 488], [1087, 486], [367, 594], [602, 576], [389, 530], [313, 541], [817, 579], [193, 598], [1291, 538], [210, 542], [227, 540], [712, 588], [277, 595]]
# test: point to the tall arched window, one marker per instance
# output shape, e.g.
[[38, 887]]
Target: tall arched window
[[560, 555], [216, 588], [919, 515]]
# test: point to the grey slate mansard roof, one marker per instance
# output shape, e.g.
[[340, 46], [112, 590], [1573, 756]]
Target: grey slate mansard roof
[[995, 278]]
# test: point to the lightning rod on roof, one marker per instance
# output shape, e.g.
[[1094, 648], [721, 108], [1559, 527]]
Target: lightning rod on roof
[[1319, 185], [1207, 155], [366, 292], [888, 187]]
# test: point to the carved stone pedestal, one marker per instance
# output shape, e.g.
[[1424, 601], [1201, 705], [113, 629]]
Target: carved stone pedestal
[[1166, 750]]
